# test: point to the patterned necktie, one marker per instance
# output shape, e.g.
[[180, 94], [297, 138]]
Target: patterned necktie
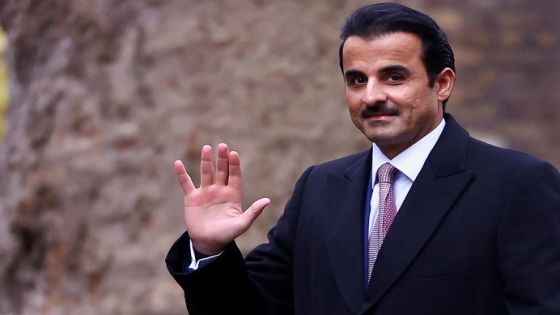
[[387, 212]]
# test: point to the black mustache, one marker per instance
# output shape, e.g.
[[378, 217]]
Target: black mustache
[[378, 108]]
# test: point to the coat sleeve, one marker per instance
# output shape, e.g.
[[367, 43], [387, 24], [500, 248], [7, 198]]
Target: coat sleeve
[[529, 242], [259, 284]]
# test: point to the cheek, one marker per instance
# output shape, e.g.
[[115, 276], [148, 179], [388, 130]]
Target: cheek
[[415, 105], [410, 104], [353, 103], [419, 103]]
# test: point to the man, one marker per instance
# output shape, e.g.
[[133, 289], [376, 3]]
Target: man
[[429, 221]]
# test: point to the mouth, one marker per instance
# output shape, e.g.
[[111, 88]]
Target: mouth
[[379, 115], [378, 112]]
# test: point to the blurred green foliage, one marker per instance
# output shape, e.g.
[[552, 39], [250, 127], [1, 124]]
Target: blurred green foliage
[[3, 84]]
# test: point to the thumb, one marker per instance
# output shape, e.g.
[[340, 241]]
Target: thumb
[[255, 210]]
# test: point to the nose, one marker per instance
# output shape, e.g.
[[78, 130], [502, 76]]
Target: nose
[[373, 93]]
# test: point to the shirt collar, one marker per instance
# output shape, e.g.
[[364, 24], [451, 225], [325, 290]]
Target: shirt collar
[[410, 161]]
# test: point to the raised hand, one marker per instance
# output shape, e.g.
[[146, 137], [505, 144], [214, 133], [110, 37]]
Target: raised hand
[[213, 213]]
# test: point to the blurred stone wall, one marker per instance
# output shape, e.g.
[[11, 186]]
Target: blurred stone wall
[[105, 94], [3, 82]]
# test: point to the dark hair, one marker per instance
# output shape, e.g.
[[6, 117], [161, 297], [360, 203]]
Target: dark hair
[[383, 18]]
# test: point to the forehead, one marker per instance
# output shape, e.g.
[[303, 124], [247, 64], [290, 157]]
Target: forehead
[[388, 49]]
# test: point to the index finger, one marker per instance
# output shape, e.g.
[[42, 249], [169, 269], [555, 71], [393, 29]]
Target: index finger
[[183, 177]]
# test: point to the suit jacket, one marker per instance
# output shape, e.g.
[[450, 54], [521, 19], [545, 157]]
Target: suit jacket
[[478, 234]]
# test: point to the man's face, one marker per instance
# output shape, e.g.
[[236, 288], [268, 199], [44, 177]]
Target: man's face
[[387, 90]]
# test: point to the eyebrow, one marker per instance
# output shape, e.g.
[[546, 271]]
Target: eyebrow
[[388, 69], [352, 73], [395, 68]]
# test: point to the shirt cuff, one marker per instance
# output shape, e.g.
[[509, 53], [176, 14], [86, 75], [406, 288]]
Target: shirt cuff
[[197, 262]]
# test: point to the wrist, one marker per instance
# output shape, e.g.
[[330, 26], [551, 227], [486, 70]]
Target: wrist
[[207, 249]]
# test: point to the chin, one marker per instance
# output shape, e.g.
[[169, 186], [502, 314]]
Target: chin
[[380, 136], [388, 140], [378, 140]]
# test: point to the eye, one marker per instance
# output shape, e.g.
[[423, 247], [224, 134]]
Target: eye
[[359, 80], [356, 80], [395, 77]]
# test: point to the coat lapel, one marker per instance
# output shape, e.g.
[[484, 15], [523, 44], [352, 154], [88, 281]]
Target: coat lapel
[[344, 230], [440, 183]]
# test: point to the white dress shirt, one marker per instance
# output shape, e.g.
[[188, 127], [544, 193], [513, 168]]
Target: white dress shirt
[[408, 163]]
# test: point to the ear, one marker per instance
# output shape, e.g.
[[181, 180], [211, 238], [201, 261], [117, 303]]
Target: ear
[[444, 84]]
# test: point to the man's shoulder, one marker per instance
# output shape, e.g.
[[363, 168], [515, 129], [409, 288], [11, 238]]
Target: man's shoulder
[[501, 158], [459, 147]]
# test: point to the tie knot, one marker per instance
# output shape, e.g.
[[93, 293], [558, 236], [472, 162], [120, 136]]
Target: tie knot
[[385, 173]]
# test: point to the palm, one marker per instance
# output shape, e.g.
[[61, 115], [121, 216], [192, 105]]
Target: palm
[[213, 212], [209, 210]]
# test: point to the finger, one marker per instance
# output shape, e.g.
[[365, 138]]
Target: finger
[[206, 168], [234, 179], [222, 166], [253, 212], [183, 177]]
